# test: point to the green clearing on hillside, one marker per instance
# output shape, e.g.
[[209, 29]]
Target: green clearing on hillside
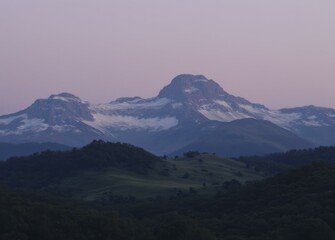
[[204, 173], [104, 171]]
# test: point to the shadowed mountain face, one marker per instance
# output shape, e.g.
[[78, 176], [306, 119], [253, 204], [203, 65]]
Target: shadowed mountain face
[[170, 121], [243, 137]]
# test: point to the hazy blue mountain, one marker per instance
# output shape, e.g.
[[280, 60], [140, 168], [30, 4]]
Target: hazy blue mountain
[[60, 119], [243, 137], [168, 122], [8, 150], [317, 124]]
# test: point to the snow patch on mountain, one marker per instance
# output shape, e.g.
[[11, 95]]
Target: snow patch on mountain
[[177, 105], [60, 98], [191, 90], [25, 125], [103, 122], [215, 114], [312, 117], [313, 123], [201, 80], [242, 111], [8, 120], [223, 103], [284, 120], [64, 128], [67, 97], [253, 110], [35, 125], [154, 103]]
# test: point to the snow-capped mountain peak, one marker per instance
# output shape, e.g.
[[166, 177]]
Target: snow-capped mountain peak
[[192, 89], [60, 108], [67, 97], [187, 100], [210, 100]]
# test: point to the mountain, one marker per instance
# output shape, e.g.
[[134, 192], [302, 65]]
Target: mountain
[[59, 119], [243, 137], [8, 150], [171, 121], [316, 124]]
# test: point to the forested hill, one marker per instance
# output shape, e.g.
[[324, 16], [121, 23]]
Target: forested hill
[[298, 204], [277, 162], [41, 169]]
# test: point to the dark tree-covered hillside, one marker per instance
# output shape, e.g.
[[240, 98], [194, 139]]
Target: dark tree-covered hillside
[[274, 163], [291, 206], [42, 169]]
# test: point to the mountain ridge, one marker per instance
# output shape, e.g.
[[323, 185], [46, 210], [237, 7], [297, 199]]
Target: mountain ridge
[[188, 99]]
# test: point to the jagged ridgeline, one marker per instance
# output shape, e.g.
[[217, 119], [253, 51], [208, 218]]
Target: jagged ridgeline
[[185, 114]]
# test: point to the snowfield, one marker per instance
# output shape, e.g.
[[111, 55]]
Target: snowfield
[[105, 122]]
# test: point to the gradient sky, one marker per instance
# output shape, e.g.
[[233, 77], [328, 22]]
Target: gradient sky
[[278, 53]]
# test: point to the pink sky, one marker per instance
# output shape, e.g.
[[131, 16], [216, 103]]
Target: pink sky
[[278, 53]]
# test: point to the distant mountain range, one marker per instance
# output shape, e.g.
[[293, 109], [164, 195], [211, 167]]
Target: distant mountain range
[[191, 113]]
